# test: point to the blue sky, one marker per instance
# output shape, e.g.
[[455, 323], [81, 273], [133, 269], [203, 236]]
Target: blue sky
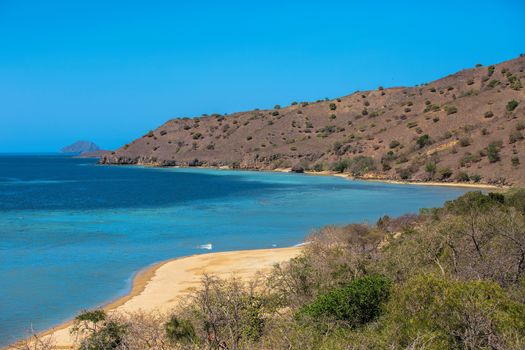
[[109, 71]]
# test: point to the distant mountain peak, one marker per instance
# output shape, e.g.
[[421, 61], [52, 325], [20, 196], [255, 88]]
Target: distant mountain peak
[[81, 147]]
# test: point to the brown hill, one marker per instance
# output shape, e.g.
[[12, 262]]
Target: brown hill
[[467, 126]]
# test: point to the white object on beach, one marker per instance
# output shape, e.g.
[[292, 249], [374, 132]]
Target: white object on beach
[[207, 246]]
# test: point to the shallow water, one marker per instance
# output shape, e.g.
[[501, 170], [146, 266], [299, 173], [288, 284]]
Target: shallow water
[[72, 233]]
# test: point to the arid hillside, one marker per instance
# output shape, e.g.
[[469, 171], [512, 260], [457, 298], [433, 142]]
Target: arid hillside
[[466, 127]]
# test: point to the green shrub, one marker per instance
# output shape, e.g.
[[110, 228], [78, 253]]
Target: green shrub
[[277, 107], [464, 141], [356, 304], [423, 141], [475, 177], [451, 110], [430, 168], [449, 314], [511, 105], [97, 331], [340, 166], [493, 150], [394, 144], [515, 136], [333, 106], [445, 173], [515, 161], [318, 167], [431, 108], [404, 173], [489, 114], [462, 177], [179, 331], [493, 83], [515, 83], [361, 165]]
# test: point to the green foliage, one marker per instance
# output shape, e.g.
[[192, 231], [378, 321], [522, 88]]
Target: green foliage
[[340, 166], [357, 166], [93, 316], [98, 331], [493, 83], [394, 144], [488, 114], [462, 177], [108, 337], [515, 83], [318, 167], [327, 130], [511, 105], [356, 304], [515, 136], [179, 330], [445, 173], [431, 108], [333, 106], [451, 109], [361, 165], [423, 141], [430, 168], [450, 314], [493, 150], [464, 141]]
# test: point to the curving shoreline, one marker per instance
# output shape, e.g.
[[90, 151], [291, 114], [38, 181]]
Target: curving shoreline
[[161, 285], [386, 180]]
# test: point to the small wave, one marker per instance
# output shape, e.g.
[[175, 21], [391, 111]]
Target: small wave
[[207, 246], [33, 182]]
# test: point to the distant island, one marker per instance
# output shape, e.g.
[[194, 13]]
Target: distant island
[[80, 147], [85, 149]]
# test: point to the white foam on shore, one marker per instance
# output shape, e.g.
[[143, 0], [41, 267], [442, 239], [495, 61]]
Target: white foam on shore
[[207, 246]]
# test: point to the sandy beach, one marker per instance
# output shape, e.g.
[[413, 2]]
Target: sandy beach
[[161, 286]]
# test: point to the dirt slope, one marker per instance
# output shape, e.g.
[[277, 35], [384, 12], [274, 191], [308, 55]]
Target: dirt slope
[[458, 128]]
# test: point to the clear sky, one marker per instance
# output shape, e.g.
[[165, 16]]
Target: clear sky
[[109, 71]]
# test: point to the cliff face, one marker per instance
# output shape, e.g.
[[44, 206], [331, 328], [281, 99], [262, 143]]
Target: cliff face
[[465, 127]]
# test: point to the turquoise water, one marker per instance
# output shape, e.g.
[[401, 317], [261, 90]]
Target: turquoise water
[[73, 233]]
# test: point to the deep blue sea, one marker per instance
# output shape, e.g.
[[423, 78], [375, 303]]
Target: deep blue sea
[[73, 233]]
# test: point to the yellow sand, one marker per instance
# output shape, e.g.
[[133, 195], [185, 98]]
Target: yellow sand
[[161, 286]]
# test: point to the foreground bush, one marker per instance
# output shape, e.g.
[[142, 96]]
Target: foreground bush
[[354, 305], [450, 314]]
